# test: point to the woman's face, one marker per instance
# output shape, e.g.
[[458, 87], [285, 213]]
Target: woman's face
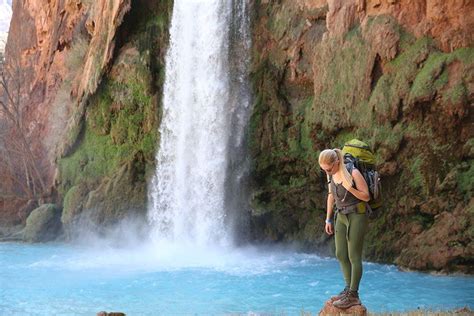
[[330, 168]]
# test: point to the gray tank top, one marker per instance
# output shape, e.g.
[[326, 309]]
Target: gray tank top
[[345, 201]]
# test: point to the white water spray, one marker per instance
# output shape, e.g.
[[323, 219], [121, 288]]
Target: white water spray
[[205, 112]]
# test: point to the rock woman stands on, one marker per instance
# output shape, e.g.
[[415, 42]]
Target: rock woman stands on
[[348, 188]]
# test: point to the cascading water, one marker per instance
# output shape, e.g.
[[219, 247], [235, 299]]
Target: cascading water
[[205, 111]]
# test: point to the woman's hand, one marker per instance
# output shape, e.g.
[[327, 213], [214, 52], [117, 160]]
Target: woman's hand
[[329, 229]]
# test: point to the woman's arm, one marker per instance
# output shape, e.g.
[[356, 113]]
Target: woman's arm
[[329, 215], [361, 190]]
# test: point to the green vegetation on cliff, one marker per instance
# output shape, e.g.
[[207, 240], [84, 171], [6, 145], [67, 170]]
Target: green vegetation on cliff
[[104, 174], [120, 122], [405, 97]]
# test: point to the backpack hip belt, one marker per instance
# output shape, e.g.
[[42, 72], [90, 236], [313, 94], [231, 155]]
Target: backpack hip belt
[[359, 208]]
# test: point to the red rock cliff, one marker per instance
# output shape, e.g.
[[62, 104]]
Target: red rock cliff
[[67, 50], [397, 74]]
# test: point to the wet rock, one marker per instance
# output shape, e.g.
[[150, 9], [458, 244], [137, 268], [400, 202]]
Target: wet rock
[[433, 206], [72, 206], [11, 233], [445, 246], [119, 197], [449, 182], [103, 313], [416, 229], [330, 310], [43, 224], [384, 38]]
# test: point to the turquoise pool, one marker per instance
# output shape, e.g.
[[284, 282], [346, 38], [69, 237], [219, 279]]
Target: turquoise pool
[[62, 279]]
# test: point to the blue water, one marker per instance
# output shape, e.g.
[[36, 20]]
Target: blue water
[[58, 279]]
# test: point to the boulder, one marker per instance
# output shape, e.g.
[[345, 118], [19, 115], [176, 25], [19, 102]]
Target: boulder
[[119, 197], [329, 309], [72, 206], [43, 224]]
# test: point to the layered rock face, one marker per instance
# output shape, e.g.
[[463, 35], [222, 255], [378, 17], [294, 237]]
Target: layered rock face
[[397, 74], [61, 44], [94, 74]]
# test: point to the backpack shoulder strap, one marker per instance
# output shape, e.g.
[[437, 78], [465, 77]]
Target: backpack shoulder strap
[[350, 166], [329, 178]]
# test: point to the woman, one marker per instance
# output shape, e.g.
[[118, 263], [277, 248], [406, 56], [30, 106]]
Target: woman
[[348, 188]]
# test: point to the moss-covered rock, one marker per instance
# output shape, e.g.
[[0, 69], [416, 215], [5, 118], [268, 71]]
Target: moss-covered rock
[[103, 177], [282, 140], [124, 195], [43, 224], [378, 82], [72, 206]]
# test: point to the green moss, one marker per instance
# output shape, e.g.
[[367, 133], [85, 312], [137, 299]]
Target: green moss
[[456, 94], [466, 180], [411, 51], [281, 20], [423, 84], [464, 55], [415, 130], [342, 92], [441, 81], [434, 76], [425, 220], [386, 139], [95, 158], [101, 114], [342, 137], [468, 148], [114, 132], [278, 26], [416, 180], [300, 140], [148, 145], [306, 138], [73, 201], [160, 21], [43, 224], [401, 71]]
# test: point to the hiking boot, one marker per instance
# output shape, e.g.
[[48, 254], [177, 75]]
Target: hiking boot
[[350, 299], [340, 295]]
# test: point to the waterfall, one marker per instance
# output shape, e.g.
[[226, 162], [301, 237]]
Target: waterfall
[[201, 165]]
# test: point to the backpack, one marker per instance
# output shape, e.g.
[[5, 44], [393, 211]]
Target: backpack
[[358, 154]]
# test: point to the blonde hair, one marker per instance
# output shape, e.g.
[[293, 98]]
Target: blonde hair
[[329, 157]]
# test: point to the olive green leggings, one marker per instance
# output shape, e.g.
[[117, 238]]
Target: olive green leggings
[[350, 232]]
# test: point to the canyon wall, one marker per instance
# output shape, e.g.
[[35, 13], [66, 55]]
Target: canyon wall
[[396, 74], [94, 73]]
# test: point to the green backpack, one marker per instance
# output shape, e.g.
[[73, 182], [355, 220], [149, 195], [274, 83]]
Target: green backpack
[[358, 154]]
